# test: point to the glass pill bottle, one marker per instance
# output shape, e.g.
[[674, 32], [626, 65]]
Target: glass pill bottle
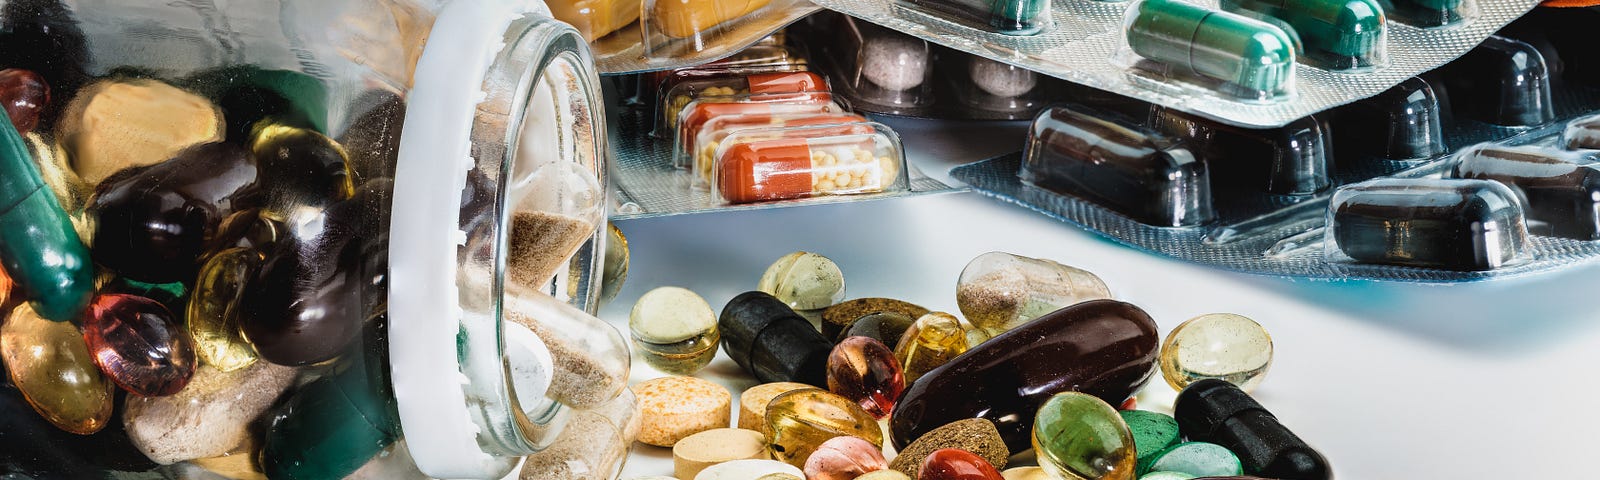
[[272, 238]]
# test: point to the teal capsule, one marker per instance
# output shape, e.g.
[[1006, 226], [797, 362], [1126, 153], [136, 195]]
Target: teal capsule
[[1337, 34], [38, 246], [1250, 56]]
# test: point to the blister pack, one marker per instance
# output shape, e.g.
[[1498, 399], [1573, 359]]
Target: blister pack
[[630, 36], [1487, 167], [882, 71], [1254, 63], [747, 133]]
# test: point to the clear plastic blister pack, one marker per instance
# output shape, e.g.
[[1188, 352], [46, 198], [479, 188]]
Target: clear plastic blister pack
[[1488, 167], [883, 71], [751, 133], [631, 36], [1255, 63]]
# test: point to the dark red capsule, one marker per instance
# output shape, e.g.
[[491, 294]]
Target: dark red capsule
[[957, 464], [136, 342], [24, 95], [865, 370]]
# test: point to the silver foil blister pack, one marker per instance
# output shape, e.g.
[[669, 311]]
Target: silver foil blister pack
[[1084, 41], [1334, 195]]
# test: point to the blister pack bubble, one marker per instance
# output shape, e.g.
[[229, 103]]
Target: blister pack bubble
[[658, 35], [1086, 42], [1492, 103], [650, 178]]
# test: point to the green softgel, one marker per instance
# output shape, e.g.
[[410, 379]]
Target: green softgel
[[1166, 476], [1199, 459], [1152, 433], [1080, 436]]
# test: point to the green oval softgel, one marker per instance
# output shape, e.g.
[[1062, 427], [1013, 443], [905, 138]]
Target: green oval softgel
[[1078, 435], [1337, 34], [1243, 52], [38, 245]]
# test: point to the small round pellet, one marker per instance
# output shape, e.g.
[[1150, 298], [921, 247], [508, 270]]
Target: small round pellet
[[672, 408], [696, 452], [753, 403]]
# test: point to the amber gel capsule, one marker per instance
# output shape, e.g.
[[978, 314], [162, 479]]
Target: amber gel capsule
[[38, 246], [1248, 54]]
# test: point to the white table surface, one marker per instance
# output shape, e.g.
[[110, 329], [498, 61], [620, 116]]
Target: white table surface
[[1388, 380]]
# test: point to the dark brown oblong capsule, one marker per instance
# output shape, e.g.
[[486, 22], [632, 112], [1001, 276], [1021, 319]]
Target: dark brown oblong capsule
[[1216, 411], [313, 295], [769, 340], [153, 223], [1290, 160], [1104, 348], [1560, 187], [1428, 222], [1143, 175], [1402, 123], [1503, 81]]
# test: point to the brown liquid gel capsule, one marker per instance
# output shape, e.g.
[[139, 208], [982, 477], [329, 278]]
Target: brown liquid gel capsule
[[1103, 348]]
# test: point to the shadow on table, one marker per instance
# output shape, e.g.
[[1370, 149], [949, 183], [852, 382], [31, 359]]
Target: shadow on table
[[1509, 315]]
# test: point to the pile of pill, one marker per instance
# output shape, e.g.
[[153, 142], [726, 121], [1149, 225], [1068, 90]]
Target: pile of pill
[[878, 388]]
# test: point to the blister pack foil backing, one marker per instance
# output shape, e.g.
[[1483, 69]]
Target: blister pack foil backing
[[1084, 41]]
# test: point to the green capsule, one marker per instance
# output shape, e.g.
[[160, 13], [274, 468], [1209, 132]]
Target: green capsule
[[1249, 55], [1337, 34], [1426, 13], [38, 245]]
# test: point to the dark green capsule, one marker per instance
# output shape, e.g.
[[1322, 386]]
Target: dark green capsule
[[38, 246], [1337, 34], [1008, 17], [1426, 13], [1243, 52], [334, 425]]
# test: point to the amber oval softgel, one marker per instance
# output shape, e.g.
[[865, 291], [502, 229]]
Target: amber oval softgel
[[50, 363], [798, 422], [1080, 436], [1224, 346], [932, 341], [213, 317]]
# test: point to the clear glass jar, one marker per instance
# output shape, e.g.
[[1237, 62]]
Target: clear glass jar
[[239, 192]]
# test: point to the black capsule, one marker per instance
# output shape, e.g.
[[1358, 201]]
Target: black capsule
[[1403, 123], [1428, 222], [1561, 188], [1503, 82], [772, 342], [1290, 160], [1216, 411], [1148, 177], [314, 294]]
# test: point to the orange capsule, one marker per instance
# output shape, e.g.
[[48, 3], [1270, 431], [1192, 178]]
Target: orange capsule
[[799, 162]]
